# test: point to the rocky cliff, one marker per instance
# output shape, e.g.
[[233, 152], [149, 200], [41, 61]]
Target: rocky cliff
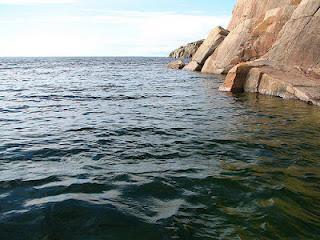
[[290, 68], [254, 28], [186, 51], [272, 47]]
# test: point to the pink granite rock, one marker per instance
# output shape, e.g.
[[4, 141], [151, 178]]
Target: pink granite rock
[[214, 39]]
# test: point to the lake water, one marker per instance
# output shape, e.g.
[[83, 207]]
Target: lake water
[[124, 148]]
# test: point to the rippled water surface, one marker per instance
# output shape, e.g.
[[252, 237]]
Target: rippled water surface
[[123, 148]]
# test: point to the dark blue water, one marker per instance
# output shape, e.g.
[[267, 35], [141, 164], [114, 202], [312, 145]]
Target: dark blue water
[[124, 148]]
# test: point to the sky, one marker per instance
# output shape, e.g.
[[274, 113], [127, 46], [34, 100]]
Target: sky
[[106, 27]]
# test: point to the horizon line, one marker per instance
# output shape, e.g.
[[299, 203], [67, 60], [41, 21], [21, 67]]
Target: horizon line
[[83, 56]]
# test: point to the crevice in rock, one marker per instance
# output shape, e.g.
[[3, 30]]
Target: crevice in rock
[[259, 81]]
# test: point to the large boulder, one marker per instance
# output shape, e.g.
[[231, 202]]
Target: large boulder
[[236, 78], [179, 64], [229, 53], [268, 80], [186, 51], [214, 39]]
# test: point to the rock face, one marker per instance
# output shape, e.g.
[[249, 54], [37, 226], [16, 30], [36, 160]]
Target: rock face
[[215, 38], [231, 51], [291, 67], [179, 64], [254, 28], [299, 42], [186, 51]]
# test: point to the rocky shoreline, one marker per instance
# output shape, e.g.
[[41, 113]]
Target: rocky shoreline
[[270, 47]]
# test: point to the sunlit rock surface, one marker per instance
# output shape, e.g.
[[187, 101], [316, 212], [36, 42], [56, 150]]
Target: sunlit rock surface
[[214, 39], [290, 69], [254, 28]]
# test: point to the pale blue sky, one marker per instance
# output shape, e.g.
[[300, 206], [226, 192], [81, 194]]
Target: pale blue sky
[[106, 27]]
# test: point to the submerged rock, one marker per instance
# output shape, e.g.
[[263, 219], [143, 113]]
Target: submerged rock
[[265, 79], [179, 64], [216, 36], [186, 51]]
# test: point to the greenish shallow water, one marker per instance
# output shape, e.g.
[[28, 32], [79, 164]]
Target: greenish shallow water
[[123, 148]]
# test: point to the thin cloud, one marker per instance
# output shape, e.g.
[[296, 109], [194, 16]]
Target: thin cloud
[[172, 19], [119, 33]]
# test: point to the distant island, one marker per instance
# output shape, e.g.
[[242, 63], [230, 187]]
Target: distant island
[[270, 47]]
